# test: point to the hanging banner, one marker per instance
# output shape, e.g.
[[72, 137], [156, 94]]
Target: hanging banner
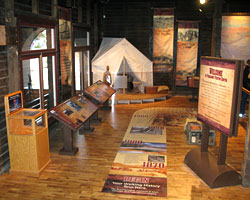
[[163, 40], [235, 37], [65, 52], [187, 51]]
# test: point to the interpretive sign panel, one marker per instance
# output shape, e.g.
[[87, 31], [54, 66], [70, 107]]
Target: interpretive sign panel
[[74, 112], [219, 91], [136, 185], [99, 91], [14, 102]]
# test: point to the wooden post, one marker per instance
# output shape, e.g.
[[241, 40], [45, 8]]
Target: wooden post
[[123, 89], [41, 82], [246, 158], [35, 6], [216, 33], [204, 138], [223, 149]]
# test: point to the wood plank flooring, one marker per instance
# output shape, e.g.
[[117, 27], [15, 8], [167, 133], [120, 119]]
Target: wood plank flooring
[[82, 176]]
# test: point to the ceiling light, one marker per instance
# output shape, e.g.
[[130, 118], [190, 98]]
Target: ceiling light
[[202, 1]]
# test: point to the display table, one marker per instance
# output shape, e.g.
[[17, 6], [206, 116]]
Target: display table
[[27, 137]]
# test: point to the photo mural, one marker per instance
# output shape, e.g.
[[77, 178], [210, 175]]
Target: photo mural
[[187, 51], [235, 37]]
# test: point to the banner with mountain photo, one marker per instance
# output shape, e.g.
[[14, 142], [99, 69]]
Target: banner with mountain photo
[[187, 51], [235, 36], [163, 40]]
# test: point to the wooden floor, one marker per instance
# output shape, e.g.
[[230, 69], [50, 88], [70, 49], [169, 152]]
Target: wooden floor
[[82, 176]]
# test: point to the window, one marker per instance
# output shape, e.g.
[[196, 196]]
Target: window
[[38, 63]]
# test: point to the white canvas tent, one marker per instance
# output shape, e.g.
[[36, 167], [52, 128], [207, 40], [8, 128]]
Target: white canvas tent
[[112, 51]]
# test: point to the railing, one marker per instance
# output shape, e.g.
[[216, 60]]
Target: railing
[[35, 103]]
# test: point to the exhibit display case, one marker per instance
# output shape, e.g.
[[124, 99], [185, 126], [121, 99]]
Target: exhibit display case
[[27, 136]]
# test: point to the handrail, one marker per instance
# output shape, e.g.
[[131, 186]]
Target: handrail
[[246, 90]]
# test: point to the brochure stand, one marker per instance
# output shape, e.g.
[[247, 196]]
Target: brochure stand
[[74, 114], [28, 140]]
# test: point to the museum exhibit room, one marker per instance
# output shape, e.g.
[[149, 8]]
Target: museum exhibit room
[[124, 99]]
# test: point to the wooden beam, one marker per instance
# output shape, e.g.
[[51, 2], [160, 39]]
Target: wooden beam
[[35, 6]]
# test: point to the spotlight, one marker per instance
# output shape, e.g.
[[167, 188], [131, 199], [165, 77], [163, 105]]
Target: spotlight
[[200, 10], [202, 1]]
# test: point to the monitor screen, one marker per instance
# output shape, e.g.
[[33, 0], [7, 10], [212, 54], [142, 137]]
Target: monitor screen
[[15, 102]]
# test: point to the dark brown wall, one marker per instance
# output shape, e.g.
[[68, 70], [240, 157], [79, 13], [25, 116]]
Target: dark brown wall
[[4, 156], [132, 19]]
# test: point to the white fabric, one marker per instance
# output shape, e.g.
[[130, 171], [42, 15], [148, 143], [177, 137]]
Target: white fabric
[[111, 53]]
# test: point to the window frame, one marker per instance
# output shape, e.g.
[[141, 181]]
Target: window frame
[[25, 21]]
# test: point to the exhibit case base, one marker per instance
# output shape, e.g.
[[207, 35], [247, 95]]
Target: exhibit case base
[[29, 173], [204, 164]]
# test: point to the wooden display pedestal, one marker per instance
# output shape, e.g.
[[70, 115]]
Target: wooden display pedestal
[[27, 137], [215, 173]]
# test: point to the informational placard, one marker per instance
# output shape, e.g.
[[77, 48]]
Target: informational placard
[[15, 102], [99, 91], [74, 112], [220, 86]]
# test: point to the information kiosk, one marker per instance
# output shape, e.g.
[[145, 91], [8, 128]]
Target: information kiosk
[[28, 140]]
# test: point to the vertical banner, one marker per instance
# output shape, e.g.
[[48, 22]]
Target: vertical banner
[[187, 51], [235, 37], [163, 41], [65, 52]]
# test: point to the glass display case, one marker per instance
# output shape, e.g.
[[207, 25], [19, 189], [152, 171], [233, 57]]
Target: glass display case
[[27, 136]]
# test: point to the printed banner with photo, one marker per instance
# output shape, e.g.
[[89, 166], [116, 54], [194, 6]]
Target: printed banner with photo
[[163, 40], [140, 166], [235, 37], [187, 51], [65, 56]]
